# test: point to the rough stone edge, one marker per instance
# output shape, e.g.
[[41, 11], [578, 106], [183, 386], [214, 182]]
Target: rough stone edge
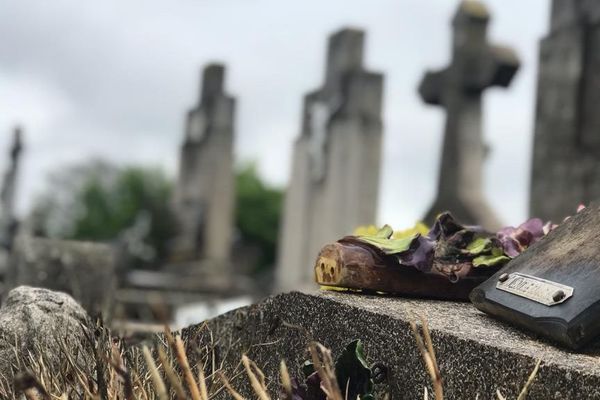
[[467, 367]]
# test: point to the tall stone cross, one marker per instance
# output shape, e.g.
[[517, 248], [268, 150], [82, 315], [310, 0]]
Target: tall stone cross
[[476, 66], [204, 195], [7, 194], [566, 152], [336, 161]]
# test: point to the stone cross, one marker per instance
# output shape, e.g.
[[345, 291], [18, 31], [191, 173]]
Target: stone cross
[[566, 156], [336, 160], [7, 193], [476, 66], [204, 196]]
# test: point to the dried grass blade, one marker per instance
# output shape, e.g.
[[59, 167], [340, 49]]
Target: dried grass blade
[[185, 369], [525, 390], [286, 382], [258, 383], [429, 359], [171, 375], [159, 385], [202, 382], [231, 390]]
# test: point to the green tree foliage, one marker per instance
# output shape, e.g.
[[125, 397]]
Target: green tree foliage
[[110, 209], [258, 211], [98, 201]]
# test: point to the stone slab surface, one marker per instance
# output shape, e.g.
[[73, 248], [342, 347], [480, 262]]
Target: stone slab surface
[[476, 354]]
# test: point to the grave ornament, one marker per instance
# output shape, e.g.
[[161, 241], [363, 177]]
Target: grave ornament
[[447, 262], [552, 288]]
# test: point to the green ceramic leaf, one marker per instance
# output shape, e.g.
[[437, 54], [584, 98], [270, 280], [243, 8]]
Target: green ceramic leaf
[[389, 246], [479, 245], [308, 368], [353, 372], [385, 232], [497, 257]]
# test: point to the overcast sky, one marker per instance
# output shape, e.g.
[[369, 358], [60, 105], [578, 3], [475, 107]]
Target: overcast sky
[[113, 79]]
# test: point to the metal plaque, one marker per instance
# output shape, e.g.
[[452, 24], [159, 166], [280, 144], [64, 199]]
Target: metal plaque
[[537, 289]]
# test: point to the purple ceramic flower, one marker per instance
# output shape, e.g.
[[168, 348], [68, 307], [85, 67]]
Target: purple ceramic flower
[[419, 255], [515, 240]]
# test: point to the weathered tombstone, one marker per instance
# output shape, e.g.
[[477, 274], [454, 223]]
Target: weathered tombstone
[[335, 170], [85, 270], [204, 197], [199, 269], [8, 221], [552, 287], [476, 65], [566, 155]]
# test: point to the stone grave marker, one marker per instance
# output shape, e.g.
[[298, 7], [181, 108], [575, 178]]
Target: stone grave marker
[[85, 270], [566, 155], [199, 270], [336, 161], [205, 193], [8, 221], [476, 65]]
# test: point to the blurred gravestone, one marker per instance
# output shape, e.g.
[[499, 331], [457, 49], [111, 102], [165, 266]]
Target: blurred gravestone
[[198, 272], [476, 65], [85, 270], [7, 193], [204, 197], [566, 156], [8, 221], [335, 171]]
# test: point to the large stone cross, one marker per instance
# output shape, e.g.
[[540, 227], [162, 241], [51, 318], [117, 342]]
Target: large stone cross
[[476, 65]]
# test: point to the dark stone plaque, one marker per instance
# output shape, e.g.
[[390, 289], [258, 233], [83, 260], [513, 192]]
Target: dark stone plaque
[[553, 287]]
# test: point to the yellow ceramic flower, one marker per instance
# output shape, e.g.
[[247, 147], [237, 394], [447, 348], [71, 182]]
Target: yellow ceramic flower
[[371, 230], [418, 228], [366, 230]]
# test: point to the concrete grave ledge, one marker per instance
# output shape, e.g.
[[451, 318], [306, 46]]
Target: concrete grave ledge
[[476, 354]]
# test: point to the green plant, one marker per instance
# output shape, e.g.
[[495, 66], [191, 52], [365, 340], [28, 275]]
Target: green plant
[[258, 211]]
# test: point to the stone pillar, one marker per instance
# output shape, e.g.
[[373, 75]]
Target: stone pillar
[[476, 65], [205, 193], [336, 161], [8, 221], [566, 154]]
